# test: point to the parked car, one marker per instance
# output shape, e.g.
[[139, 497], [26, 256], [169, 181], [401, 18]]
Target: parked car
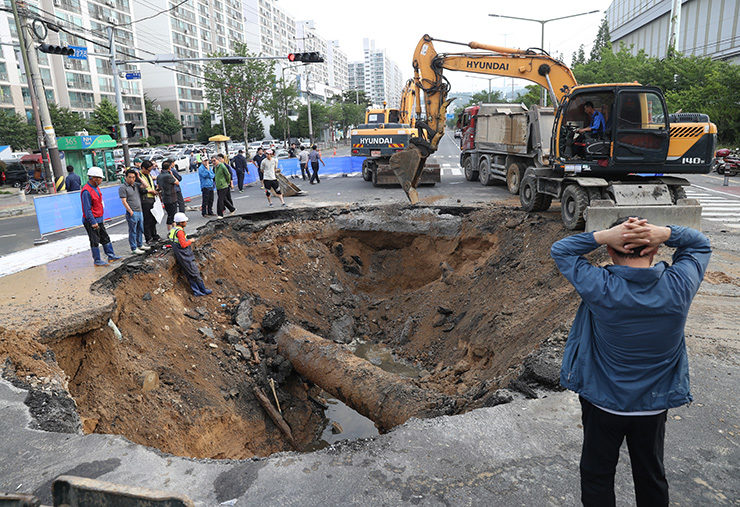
[[12, 173], [282, 153], [458, 134]]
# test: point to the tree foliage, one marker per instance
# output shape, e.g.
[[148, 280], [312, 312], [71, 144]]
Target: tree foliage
[[16, 131], [104, 115], [233, 128], [690, 83], [602, 43], [530, 96], [279, 104], [246, 88], [169, 125], [66, 122]]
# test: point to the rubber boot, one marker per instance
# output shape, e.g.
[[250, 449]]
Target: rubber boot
[[196, 289], [96, 256], [203, 289], [108, 249]]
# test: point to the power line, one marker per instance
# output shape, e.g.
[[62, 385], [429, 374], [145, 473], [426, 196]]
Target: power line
[[155, 14]]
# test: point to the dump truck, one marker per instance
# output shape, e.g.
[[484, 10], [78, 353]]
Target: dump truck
[[499, 142], [385, 132], [632, 167]]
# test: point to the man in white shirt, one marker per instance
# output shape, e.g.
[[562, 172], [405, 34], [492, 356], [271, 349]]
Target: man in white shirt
[[269, 168], [303, 161]]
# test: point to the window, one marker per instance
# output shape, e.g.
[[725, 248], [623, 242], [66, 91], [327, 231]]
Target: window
[[79, 81], [3, 72], [5, 96], [640, 110], [81, 100], [106, 84]]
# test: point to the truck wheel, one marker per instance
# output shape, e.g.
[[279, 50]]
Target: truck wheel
[[366, 171], [529, 198], [484, 172], [470, 174], [677, 192], [572, 205], [514, 174]]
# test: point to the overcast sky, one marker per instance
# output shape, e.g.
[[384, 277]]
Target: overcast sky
[[397, 27]]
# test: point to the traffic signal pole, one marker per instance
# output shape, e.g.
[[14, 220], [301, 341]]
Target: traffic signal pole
[[34, 80], [122, 130]]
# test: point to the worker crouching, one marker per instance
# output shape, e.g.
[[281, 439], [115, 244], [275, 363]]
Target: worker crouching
[[183, 250]]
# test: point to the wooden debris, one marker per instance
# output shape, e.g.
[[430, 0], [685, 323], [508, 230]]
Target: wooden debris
[[274, 414]]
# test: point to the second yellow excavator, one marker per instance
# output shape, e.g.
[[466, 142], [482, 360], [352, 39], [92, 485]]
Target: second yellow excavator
[[620, 170]]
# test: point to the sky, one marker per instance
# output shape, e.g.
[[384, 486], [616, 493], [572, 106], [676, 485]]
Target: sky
[[397, 27]]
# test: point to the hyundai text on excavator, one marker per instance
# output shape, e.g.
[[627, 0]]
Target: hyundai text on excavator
[[385, 132], [624, 171]]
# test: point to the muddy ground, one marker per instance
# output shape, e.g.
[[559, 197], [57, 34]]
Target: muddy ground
[[467, 296]]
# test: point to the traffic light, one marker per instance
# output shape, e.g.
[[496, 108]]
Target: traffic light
[[113, 129], [311, 57], [130, 129], [56, 50], [233, 60]]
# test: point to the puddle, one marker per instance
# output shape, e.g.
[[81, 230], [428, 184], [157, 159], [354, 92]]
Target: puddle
[[354, 425], [383, 358]]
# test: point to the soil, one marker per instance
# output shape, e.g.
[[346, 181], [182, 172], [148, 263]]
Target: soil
[[465, 295]]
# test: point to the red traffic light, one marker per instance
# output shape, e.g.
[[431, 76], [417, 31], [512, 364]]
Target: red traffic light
[[291, 57]]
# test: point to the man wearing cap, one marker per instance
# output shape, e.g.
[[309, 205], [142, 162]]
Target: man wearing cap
[[183, 251], [92, 217], [137, 164], [269, 168], [239, 163], [168, 186]]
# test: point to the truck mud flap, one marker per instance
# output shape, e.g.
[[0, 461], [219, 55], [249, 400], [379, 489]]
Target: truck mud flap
[[600, 214]]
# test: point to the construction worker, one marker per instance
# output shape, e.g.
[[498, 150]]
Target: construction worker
[[183, 250], [92, 217]]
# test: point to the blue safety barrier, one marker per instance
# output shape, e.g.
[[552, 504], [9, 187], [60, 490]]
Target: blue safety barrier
[[61, 211]]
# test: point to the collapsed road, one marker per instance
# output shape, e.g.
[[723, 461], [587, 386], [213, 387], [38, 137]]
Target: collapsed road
[[463, 295]]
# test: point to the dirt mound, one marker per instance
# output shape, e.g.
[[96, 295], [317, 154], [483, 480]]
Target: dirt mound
[[463, 294]]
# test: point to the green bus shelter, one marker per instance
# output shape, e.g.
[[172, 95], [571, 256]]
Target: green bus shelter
[[83, 152]]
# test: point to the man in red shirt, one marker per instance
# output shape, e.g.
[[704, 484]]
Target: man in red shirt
[[92, 217]]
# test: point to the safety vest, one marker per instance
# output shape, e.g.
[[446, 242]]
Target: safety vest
[[173, 234], [96, 200], [150, 183]]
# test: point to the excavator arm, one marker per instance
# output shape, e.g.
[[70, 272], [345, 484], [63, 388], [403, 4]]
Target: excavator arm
[[410, 98], [533, 65]]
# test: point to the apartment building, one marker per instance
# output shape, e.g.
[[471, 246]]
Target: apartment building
[[356, 76], [195, 29], [76, 84], [706, 27], [329, 78], [382, 77]]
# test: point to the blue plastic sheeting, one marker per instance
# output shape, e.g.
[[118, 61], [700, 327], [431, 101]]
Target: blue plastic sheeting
[[57, 212]]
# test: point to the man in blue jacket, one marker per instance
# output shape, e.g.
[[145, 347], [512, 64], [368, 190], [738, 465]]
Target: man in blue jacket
[[206, 176], [626, 354]]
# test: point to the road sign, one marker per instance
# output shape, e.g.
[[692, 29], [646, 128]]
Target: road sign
[[450, 116], [79, 54], [133, 75]]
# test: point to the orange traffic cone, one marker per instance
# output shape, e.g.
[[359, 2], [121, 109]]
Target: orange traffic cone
[[335, 152]]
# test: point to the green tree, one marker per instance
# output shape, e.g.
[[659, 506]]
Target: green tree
[[169, 125], [357, 97], [16, 131], [602, 42], [152, 115], [529, 97], [579, 57], [282, 100], [66, 122], [245, 88], [104, 115], [233, 128]]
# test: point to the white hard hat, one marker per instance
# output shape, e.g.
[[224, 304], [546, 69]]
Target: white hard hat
[[180, 217], [95, 171]]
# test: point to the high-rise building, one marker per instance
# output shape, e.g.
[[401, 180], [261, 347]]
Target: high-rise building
[[194, 29], [383, 78], [326, 79], [76, 84], [356, 76], [706, 27]]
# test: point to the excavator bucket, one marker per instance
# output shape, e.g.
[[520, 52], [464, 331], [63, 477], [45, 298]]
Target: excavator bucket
[[602, 213], [408, 165]]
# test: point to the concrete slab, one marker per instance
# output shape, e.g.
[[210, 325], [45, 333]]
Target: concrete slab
[[522, 453]]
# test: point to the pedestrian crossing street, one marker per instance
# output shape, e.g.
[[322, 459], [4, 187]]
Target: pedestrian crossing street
[[717, 207]]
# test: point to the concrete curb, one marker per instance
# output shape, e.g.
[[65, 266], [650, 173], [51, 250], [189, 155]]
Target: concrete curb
[[18, 211]]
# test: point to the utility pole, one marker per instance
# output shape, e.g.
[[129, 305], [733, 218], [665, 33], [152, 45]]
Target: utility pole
[[122, 131], [223, 116], [675, 28], [308, 101], [34, 80], [34, 102]]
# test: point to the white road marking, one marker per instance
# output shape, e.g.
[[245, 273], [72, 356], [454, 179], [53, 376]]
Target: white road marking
[[8, 235], [715, 206], [38, 255]]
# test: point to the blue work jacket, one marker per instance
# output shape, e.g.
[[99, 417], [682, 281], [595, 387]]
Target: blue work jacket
[[626, 350], [206, 176]]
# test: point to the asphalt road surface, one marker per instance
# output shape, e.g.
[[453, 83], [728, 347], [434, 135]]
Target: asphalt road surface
[[721, 205]]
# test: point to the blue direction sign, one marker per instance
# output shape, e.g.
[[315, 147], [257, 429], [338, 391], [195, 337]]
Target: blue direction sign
[[450, 115], [133, 75], [79, 54]]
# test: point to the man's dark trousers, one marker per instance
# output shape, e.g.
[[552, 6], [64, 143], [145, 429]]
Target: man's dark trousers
[[603, 434], [150, 224], [206, 206], [315, 175], [224, 201], [97, 235], [239, 178]]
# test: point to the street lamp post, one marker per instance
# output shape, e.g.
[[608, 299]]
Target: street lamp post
[[543, 96]]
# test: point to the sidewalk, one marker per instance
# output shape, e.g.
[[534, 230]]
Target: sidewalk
[[14, 203]]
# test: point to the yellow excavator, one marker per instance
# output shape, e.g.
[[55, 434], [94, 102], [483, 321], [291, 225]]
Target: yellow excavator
[[624, 170], [387, 131]]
